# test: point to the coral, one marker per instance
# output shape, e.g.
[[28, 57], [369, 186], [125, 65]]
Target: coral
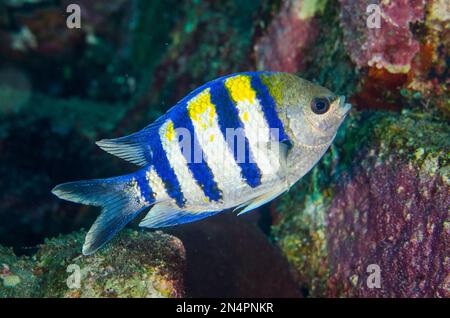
[[380, 196], [382, 199], [407, 56], [392, 46], [162, 49], [284, 45], [430, 69], [132, 265]]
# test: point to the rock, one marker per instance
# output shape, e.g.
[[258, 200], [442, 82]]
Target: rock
[[238, 265], [381, 199], [16, 275], [376, 196], [135, 264]]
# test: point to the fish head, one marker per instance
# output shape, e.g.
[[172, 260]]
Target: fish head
[[326, 113], [314, 113]]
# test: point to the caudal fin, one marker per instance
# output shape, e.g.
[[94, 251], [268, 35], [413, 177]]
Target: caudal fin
[[119, 201]]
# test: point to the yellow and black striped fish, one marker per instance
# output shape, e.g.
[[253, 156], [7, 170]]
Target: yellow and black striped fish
[[236, 142]]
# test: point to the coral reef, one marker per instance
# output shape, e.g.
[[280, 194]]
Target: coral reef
[[381, 199], [407, 57], [16, 275], [379, 196], [154, 46], [369, 200], [133, 265]]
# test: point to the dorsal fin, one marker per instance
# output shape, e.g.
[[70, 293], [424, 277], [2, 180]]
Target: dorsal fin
[[129, 148], [134, 148]]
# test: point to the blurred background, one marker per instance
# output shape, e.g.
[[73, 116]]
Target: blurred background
[[62, 89]]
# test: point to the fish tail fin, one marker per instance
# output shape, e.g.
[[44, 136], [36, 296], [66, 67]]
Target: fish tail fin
[[119, 199]]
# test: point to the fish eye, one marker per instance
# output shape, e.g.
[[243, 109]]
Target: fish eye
[[320, 105]]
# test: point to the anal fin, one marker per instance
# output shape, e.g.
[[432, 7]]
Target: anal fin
[[168, 214]]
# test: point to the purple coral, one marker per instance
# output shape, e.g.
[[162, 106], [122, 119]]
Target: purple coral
[[392, 215]]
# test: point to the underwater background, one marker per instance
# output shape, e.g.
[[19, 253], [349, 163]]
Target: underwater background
[[379, 197]]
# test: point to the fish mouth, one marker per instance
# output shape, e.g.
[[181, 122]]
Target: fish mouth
[[344, 108]]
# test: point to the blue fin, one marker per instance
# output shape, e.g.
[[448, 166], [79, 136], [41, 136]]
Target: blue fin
[[167, 214], [134, 148], [114, 195], [126, 148]]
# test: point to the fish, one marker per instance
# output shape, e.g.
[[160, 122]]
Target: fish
[[237, 142]]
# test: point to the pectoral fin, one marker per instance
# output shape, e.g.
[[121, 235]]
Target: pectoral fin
[[282, 150], [260, 200]]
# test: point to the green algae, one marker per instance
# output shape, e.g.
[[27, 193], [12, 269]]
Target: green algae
[[16, 275], [301, 231], [132, 265], [312, 8]]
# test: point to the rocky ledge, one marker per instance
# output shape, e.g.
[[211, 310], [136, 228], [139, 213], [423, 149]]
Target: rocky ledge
[[372, 219], [135, 264]]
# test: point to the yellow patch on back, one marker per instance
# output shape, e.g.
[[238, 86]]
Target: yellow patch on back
[[245, 116], [275, 85], [211, 138], [201, 109], [170, 132], [240, 88]]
